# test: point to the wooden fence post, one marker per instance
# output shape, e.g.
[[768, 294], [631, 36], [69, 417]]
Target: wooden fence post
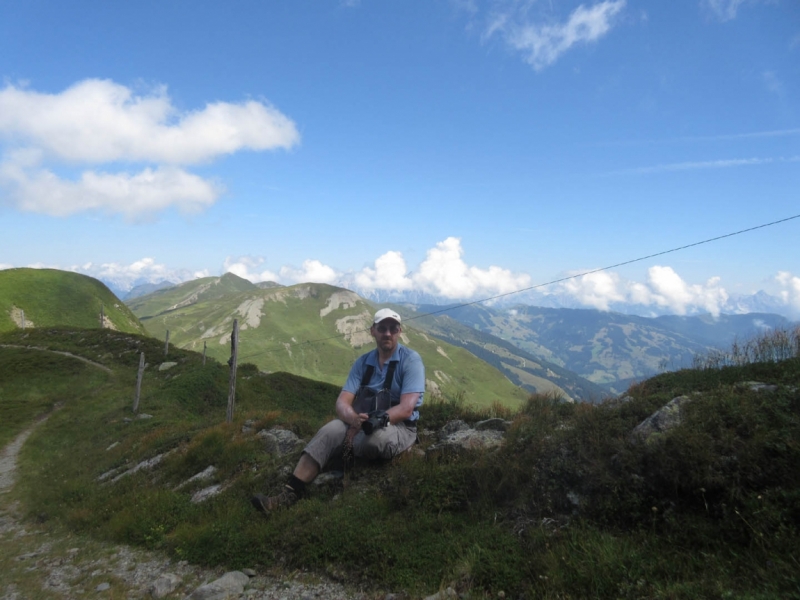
[[138, 384], [232, 363], [166, 344], [204, 353], [102, 316]]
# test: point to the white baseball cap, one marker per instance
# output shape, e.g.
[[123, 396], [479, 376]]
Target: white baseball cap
[[385, 313]]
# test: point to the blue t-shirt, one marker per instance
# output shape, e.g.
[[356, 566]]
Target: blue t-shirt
[[409, 375]]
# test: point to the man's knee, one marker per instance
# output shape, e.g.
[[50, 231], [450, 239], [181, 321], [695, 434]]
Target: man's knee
[[382, 444]]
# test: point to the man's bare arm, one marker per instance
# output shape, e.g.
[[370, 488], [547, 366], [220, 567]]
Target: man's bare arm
[[345, 411], [404, 410]]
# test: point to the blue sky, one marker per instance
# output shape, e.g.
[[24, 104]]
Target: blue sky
[[461, 148]]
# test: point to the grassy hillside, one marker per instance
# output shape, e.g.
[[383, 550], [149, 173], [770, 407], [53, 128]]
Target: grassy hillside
[[49, 297], [312, 330], [571, 506], [188, 293], [523, 368]]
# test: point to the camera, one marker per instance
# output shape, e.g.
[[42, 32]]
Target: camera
[[377, 419]]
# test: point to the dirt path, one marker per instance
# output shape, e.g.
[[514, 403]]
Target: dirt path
[[8, 457], [70, 354], [44, 561]]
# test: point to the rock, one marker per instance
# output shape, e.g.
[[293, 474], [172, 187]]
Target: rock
[[467, 439], [443, 595], [249, 572], [662, 420], [327, 478], [493, 425], [144, 416], [206, 493], [280, 441], [452, 427], [102, 587], [112, 446], [164, 585], [145, 464], [207, 473], [165, 366], [230, 584], [758, 386]]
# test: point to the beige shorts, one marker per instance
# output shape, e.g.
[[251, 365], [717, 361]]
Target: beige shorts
[[383, 443]]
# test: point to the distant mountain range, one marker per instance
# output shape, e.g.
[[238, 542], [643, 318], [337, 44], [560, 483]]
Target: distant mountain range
[[484, 354], [610, 349], [737, 304]]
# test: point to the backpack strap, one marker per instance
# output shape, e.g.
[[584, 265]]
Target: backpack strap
[[368, 371], [387, 383]]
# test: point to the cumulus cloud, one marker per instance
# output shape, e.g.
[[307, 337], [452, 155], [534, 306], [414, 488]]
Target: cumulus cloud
[[248, 267], [444, 273], [99, 123], [312, 271], [597, 290], [790, 289], [542, 44], [389, 273], [664, 289]]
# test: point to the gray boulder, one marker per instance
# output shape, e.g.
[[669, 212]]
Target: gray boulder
[[164, 585], [230, 584], [280, 441], [662, 420]]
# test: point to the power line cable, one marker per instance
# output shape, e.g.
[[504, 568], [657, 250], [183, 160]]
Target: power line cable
[[540, 285]]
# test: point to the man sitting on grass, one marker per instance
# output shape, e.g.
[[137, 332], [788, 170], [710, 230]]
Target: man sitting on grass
[[377, 411]]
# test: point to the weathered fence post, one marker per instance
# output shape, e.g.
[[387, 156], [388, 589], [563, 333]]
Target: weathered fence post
[[166, 344], [232, 363], [204, 353], [138, 384], [102, 316]]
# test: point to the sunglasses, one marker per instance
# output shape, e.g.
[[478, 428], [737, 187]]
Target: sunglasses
[[390, 328]]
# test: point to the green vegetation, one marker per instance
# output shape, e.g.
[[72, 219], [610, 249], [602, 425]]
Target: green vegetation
[[571, 506], [277, 322], [49, 297]]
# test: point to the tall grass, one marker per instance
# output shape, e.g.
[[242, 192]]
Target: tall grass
[[773, 345]]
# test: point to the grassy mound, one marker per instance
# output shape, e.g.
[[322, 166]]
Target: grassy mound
[[571, 506], [48, 298]]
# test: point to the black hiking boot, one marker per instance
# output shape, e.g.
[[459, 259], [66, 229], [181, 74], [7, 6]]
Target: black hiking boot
[[267, 504]]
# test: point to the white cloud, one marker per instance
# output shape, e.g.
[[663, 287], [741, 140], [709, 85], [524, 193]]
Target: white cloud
[[664, 288], [312, 271], [247, 267], [709, 164], [390, 273], [126, 276], [790, 293], [543, 44], [133, 195], [444, 273], [597, 290], [672, 291], [101, 123]]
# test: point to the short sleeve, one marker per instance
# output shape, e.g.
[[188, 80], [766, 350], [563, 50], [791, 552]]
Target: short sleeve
[[413, 374]]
